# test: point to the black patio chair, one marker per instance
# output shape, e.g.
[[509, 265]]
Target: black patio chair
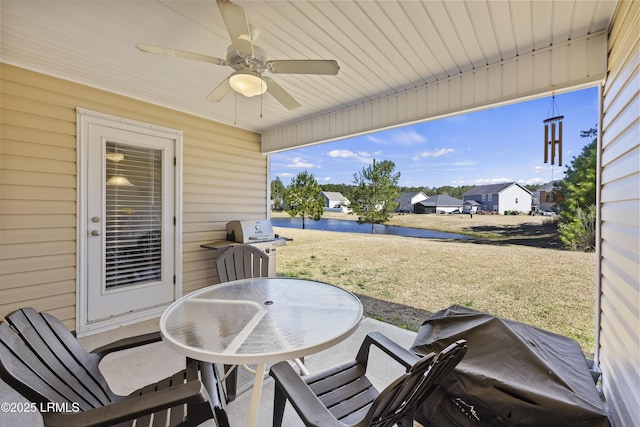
[[344, 396], [45, 363]]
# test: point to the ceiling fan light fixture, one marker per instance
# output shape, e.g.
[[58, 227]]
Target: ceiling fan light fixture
[[247, 83]]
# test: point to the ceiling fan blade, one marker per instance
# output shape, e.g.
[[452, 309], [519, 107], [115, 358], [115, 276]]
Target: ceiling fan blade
[[304, 66], [237, 23], [280, 94], [219, 92], [180, 54]]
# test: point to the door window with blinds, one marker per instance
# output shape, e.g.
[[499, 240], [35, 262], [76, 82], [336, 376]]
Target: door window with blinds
[[133, 215]]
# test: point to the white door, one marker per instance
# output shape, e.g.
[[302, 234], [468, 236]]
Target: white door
[[130, 214]]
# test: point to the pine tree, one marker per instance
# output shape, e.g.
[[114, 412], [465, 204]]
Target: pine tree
[[374, 194]]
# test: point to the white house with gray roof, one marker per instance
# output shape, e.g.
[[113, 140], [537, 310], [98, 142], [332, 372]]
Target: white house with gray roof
[[408, 200], [334, 199], [500, 198], [442, 203]]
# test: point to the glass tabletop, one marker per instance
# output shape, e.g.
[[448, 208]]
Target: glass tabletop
[[260, 320]]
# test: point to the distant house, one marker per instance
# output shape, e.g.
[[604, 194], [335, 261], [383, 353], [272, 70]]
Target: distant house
[[547, 196], [333, 199], [470, 206], [500, 198], [442, 203], [408, 200]]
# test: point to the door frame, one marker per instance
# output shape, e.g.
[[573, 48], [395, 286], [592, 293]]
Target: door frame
[[83, 119]]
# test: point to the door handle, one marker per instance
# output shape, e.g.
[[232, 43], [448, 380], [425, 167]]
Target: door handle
[[95, 233]]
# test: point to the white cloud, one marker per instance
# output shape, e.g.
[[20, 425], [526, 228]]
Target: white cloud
[[439, 152], [345, 154], [360, 156], [298, 162]]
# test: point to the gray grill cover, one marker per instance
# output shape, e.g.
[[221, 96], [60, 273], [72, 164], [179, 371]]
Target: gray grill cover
[[512, 375]]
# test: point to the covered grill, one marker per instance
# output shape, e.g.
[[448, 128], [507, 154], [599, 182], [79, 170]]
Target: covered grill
[[512, 375]]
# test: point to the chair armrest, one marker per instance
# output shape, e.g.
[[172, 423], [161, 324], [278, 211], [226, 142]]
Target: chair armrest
[[307, 405], [403, 356], [126, 343], [192, 392]]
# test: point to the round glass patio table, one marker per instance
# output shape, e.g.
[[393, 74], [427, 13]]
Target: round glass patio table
[[260, 321]]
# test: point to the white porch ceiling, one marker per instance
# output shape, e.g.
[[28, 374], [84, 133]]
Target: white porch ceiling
[[384, 48]]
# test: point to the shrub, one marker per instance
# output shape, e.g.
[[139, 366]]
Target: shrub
[[580, 233]]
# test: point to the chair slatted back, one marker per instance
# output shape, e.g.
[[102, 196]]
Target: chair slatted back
[[242, 262], [43, 361], [409, 390]]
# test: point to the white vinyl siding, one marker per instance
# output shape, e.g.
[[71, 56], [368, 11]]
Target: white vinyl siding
[[581, 61], [224, 178], [618, 349]]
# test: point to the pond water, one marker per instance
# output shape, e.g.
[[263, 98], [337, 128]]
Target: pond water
[[346, 226]]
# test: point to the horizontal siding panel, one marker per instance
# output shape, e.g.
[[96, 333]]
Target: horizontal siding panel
[[621, 266], [33, 250], [37, 221], [224, 150], [39, 277], [33, 121], [16, 133], [621, 143], [27, 207], [24, 265], [38, 150], [33, 235], [627, 165], [622, 235], [624, 213], [218, 219], [47, 290], [627, 78], [28, 192], [31, 164], [228, 164], [37, 107], [36, 178], [622, 335], [624, 190], [223, 176], [616, 122], [246, 211], [208, 189], [193, 198]]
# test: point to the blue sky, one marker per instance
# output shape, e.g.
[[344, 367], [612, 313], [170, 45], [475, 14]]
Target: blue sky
[[501, 144]]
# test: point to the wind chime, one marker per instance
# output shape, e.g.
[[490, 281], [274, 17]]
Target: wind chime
[[553, 141]]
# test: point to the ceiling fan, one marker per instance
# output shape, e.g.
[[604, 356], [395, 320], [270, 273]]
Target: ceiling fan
[[249, 61]]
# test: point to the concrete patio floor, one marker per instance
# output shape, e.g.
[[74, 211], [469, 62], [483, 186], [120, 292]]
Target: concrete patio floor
[[129, 370]]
